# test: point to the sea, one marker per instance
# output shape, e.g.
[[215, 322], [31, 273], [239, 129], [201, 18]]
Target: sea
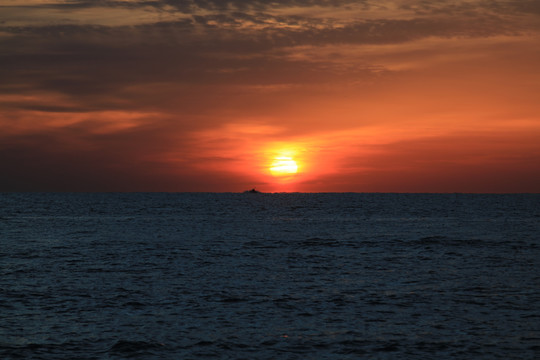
[[269, 276]]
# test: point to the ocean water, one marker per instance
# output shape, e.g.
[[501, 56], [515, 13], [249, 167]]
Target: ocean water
[[269, 276]]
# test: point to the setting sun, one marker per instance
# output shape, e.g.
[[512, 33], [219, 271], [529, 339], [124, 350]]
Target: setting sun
[[283, 165]]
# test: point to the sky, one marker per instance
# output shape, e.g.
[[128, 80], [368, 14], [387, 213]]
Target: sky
[[215, 95]]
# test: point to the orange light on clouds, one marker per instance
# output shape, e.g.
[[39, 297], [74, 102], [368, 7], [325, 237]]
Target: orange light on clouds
[[310, 98]]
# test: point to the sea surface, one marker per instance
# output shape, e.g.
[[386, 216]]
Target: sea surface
[[269, 276]]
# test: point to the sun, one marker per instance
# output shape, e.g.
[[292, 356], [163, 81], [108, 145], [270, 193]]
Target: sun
[[283, 166]]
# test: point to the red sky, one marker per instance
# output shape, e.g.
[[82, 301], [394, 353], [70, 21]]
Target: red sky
[[384, 96]]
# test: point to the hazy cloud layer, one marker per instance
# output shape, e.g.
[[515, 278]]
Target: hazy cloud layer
[[108, 87]]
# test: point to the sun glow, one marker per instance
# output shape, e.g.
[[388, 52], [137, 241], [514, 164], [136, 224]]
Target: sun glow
[[283, 166]]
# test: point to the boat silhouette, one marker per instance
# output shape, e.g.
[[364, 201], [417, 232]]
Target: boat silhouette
[[252, 191]]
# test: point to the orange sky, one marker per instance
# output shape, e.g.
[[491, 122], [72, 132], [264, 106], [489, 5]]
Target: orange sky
[[365, 96]]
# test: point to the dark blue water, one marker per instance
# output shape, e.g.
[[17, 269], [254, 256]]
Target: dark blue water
[[269, 276]]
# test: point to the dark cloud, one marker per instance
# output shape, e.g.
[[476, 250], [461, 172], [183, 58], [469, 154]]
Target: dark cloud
[[473, 8], [257, 5], [96, 65], [75, 159], [192, 6], [106, 68], [514, 6], [229, 17]]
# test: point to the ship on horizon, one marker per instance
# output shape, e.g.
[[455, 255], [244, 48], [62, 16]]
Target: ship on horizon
[[252, 191]]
